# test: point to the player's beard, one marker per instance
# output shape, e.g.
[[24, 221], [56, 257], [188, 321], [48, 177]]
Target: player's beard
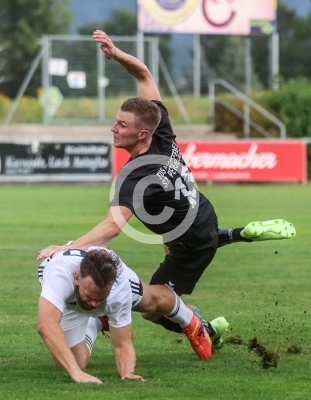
[[82, 304]]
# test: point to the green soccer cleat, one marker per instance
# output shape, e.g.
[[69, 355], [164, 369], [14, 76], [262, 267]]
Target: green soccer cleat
[[220, 326], [275, 229]]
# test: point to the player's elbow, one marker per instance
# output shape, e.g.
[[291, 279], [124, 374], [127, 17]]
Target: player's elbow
[[115, 230], [43, 327]]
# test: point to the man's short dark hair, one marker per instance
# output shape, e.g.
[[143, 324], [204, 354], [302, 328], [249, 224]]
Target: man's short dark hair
[[101, 266], [147, 111]]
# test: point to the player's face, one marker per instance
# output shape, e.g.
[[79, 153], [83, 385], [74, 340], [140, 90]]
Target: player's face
[[125, 130], [89, 295]]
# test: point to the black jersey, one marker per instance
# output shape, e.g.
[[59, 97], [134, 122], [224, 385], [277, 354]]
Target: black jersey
[[158, 187]]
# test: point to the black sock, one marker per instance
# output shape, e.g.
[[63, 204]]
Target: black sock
[[209, 328], [236, 235], [174, 327], [230, 235]]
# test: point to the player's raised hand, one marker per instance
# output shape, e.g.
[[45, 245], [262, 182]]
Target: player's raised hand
[[50, 251], [106, 43]]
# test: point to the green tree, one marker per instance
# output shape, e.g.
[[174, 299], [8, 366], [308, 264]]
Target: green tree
[[224, 54], [224, 57], [121, 23], [295, 44], [295, 47], [22, 24]]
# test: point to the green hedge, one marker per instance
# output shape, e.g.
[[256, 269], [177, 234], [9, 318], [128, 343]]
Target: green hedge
[[29, 109], [290, 104], [227, 122]]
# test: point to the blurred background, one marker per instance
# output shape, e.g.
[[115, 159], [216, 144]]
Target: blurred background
[[222, 84]]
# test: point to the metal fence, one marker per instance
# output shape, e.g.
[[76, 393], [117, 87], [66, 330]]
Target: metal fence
[[77, 76], [77, 79]]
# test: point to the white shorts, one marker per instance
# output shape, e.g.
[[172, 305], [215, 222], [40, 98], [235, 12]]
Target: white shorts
[[74, 326]]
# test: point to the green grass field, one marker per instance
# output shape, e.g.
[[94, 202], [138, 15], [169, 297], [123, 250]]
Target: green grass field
[[263, 289]]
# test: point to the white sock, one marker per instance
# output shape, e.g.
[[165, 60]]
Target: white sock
[[93, 327], [180, 313]]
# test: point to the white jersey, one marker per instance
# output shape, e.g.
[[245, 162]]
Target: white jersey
[[56, 276]]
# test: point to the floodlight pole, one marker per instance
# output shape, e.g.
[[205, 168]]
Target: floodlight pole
[[46, 78], [197, 66], [274, 61], [154, 59], [248, 83], [248, 66], [100, 88], [140, 51], [140, 46]]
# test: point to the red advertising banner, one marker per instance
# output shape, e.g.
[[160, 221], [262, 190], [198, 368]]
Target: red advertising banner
[[119, 158], [239, 161]]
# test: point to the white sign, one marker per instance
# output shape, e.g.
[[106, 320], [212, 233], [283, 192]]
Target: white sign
[[58, 66], [103, 82], [76, 79]]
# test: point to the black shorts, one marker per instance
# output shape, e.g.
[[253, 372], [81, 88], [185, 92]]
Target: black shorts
[[181, 270]]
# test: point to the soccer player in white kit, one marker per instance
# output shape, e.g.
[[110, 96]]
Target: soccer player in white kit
[[81, 286]]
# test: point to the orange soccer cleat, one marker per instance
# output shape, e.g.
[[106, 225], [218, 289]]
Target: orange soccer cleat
[[199, 338]]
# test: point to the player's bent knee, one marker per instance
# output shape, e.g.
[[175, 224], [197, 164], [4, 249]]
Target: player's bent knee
[[145, 315], [81, 354], [151, 316], [82, 363]]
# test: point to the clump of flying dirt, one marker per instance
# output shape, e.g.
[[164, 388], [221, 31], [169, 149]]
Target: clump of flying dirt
[[268, 358], [234, 339], [294, 349]]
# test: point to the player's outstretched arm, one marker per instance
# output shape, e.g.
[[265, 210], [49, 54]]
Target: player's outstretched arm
[[121, 339], [49, 318], [146, 84], [106, 230]]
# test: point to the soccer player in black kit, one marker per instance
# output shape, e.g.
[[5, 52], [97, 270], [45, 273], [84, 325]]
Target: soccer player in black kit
[[157, 186]]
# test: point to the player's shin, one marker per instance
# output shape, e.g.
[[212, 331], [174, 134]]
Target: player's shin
[[193, 327], [93, 327]]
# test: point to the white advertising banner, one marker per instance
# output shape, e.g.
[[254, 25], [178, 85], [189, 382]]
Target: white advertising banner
[[226, 17]]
